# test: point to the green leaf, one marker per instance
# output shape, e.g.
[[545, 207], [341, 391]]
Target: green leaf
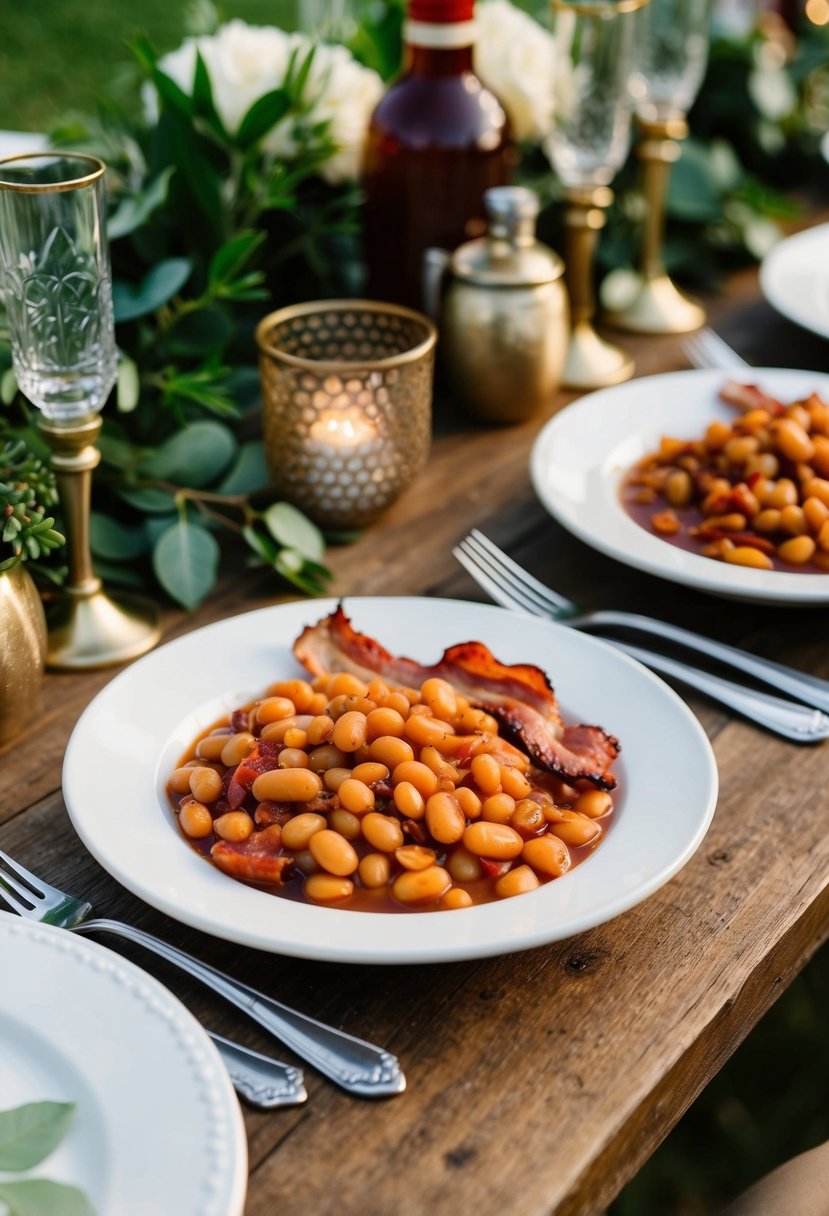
[[8, 387], [185, 560], [193, 457], [132, 212], [148, 499], [262, 116], [203, 99], [122, 574], [115, 541], [42, 1197], [129, 385], [249, 472], [294, 530], [227, 262], [157, 287], [199, 333], [692, 191], [29, 1133]]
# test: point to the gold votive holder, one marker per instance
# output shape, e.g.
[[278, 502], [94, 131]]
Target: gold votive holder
[[346, 405]]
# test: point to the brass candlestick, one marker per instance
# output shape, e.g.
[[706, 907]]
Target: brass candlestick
[[87, 628], [591, 362], [654, 304]]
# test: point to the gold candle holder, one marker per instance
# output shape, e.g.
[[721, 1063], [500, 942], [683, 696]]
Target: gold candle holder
[[591, 361], [346, 405], [88, 628], [654, 305]]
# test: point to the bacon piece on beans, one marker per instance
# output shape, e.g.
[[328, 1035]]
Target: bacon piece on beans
[[750, 397], [519, 696], [255, 859], [263, 758]]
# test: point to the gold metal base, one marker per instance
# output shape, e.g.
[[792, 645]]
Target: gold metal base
[[657, 306], [88, 631], [593, 363]]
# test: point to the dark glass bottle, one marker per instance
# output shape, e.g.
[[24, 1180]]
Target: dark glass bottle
[[437, 140]]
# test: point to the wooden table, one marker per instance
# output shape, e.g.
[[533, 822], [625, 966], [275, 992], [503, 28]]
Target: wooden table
[[537, 1082]]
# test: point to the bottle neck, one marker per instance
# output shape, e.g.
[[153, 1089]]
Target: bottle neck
[[439, 50]]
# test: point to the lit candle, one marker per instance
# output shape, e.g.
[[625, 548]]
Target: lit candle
[[340, 432]]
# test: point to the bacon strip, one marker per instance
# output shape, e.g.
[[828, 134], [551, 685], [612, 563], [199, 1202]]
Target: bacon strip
[[519, 696], [750, 397]]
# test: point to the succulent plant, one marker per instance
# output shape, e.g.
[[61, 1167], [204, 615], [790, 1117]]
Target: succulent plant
[[27, 490]]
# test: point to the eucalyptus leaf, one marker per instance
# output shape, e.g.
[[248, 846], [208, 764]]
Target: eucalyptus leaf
[[294, 530], [193, 457], [692, 192], [120, 574], [42, 1197], [30, 1132], [132, 212], [157, 287], [148, 499], [249, 472], [114, 541], [185, 560]]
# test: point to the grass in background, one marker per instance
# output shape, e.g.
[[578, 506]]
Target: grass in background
[[61, 55], [769, 1102]]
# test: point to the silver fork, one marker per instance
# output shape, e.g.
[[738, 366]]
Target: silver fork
[[511, 586], [707, 349], [356, 1066]]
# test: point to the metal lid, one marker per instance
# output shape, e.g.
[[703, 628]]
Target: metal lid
[[509, 255]]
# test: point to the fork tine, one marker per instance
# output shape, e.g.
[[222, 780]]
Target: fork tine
[[34, 886], [494, 590], [501, 578], [553, 601], [16, 895]]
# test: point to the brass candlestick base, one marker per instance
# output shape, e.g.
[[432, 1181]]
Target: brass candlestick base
[[88, 628], [654, 304], [591, 362]]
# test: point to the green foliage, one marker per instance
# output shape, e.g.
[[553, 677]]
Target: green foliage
[[27, 490], [204, 227], [28, 1134]]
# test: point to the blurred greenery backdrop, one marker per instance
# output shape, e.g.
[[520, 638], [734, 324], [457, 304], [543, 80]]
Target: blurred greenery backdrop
[[770, 1101]]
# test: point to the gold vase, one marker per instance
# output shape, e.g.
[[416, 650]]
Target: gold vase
[[22, 650]]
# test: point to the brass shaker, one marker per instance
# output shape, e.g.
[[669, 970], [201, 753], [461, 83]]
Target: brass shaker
[[502, 311]]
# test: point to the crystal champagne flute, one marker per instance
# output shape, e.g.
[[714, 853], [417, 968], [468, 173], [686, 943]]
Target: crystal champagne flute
[[594, 42], [672, 52], [56, 286]]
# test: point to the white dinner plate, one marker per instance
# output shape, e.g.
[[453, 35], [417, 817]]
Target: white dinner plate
[[794, 277], [131, 736], [156, 1127], [581, 456]]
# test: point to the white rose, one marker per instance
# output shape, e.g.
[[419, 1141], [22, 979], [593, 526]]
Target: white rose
[[514, 56], [343, 94], [244, 62]]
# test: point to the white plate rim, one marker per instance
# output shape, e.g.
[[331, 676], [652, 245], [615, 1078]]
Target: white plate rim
[[93, 972], [188, 888], [605, 525], [787, 256]]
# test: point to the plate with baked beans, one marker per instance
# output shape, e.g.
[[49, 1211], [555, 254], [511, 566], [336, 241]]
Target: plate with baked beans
[[717, 480], [389, 780]]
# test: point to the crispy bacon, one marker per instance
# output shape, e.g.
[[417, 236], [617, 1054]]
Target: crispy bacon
[[519, 696], [750, 397], [255, 859]]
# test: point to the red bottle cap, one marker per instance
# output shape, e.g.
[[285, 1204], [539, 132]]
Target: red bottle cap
[[441, 12]]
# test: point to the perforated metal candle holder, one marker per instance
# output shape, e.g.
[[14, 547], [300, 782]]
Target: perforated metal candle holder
[[346, 405]]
